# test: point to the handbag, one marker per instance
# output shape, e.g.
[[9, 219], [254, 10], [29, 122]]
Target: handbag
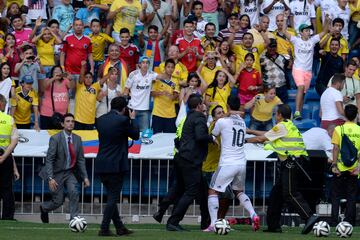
[[56, 118], [349, 153]]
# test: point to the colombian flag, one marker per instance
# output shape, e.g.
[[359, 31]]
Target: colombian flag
[[90, 141]]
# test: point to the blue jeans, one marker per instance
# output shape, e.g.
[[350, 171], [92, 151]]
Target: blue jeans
[[260, 125], [143, 119]]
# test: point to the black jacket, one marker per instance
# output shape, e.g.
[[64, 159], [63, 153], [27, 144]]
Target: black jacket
[[114, 130], [194, 139]]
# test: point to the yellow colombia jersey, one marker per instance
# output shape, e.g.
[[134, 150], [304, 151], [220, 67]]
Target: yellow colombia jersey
[[209, 74], [220, 97], [344, 47], [212, 159], [128, 16], [180, 73], [24, 104], [46, 52], [240, 53], [352, 130], [163, 106], [263, 110], [210, 47], [85, 103], [98, 45], [284, 44], [2, 37]]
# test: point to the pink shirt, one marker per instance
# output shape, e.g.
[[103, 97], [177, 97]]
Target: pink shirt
[[61, 99], [22, 36], [210, 6]]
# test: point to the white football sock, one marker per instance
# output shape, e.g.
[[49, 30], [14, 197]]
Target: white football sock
[[246, 203], [213, 205]]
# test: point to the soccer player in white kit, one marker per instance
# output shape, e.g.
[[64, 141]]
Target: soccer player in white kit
[[232, 164]]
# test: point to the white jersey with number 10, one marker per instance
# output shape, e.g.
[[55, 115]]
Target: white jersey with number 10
[[232, 130]]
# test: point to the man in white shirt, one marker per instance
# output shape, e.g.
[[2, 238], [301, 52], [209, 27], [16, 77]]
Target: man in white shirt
[[158, 13], [342, 11], [300, 13], [251, 8], [232, 164], [331, 103], [272, 8], [319, 139], [139, 84]]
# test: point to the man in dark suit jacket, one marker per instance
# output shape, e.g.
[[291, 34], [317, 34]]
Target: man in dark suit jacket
[[65, 156], [112, 160], [192, 152]]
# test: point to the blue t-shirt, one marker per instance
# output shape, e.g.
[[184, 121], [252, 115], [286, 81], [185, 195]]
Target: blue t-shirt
[[64, 15], [87, 16]]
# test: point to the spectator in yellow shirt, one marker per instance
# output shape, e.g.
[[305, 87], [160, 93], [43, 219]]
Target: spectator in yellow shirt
[[208, 67], [165, 91], [335, 32], [99, 42], [262, 107], [26, 99], [85, 99]]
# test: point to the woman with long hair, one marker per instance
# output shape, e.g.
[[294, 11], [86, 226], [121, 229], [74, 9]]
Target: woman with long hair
[[196, 85], [56, 90], [10, 54], [226, 56], [262, 107], [219, 90], [7, 88]]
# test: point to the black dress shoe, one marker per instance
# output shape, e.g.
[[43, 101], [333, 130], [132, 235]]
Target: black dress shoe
[[273, 230], [309, 224], [158, 216], [44, 216], [106, 233], [123, 231], [175, 228]]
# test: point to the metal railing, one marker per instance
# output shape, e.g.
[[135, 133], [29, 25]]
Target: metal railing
[[144, 186]]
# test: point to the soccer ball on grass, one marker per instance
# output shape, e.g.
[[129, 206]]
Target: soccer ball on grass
[[321, 229], [78, 224], [222, 227]]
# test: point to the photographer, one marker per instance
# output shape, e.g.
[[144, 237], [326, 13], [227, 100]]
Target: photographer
[[351, 90], [112, 160]]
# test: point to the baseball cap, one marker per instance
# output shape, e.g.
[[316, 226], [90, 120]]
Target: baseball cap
[[303, 26], [273, 42], [27, 79], [143, 58]]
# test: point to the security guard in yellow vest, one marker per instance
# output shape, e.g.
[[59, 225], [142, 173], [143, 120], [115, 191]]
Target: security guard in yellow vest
[[8, 141], [286, 140], [345, 179]]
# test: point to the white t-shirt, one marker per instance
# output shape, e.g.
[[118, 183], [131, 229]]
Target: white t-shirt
[[344, 15], [232, 130], [301, 15], [275, 10], [37, 9], [328, 104], [104, 105], [140, 89], [327, 7], [304, 52], [200, 29], [165, 10], [252, 10], [5, 88], [317, 139]]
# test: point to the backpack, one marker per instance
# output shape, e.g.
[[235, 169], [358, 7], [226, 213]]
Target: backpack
[[349, 153]]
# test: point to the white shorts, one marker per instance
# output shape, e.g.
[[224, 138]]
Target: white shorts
[[229, 174]]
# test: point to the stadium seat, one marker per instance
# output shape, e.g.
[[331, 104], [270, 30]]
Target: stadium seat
[[316, 114], [311, 95], [306, 111], [305, 124], [292, 95]]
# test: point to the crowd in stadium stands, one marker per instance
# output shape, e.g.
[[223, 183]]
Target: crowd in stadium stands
[[60, 56]]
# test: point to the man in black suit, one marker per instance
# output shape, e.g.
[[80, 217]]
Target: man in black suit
[[112, 160], [193, 149], [65, 156]]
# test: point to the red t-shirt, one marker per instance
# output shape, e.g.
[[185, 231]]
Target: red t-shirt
[[76, 50], [130, 55], [247, 79], [189, 60]]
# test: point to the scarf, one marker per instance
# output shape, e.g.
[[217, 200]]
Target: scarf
[[155, 55]]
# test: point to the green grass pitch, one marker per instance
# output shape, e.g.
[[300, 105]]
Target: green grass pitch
[[11, 230]]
